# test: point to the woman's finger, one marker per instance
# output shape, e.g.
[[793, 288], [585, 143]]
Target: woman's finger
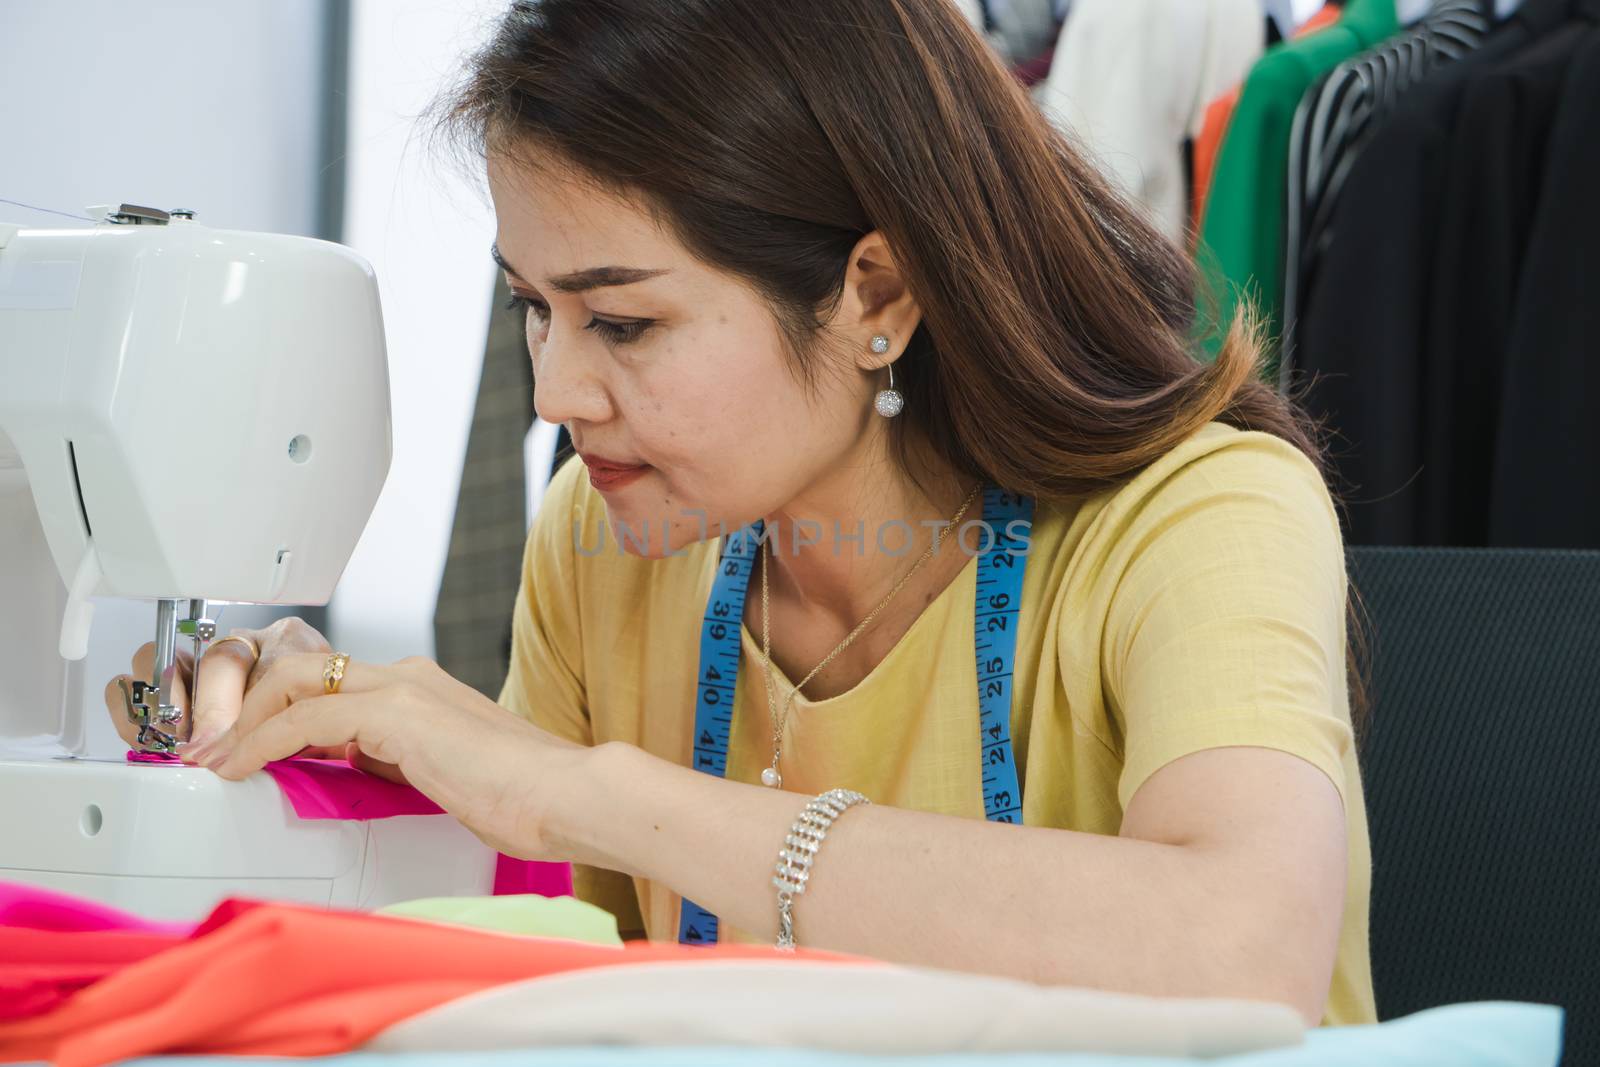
[[219, 697], [316, 722], [118, 692], [144, 662], [374, 766], [287, 679]]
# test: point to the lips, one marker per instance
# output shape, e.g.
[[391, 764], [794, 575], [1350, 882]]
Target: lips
[[607, 474]]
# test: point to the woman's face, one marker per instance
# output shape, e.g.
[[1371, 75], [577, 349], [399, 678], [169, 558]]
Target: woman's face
[[653, 359]]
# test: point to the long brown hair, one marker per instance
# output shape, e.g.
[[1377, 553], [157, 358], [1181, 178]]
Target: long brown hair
[[1056, 356]]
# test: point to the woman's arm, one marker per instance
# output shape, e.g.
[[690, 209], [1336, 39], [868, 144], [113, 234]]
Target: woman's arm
[[1228, 878]]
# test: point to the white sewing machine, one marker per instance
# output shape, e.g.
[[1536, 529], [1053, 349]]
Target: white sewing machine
[[187, 416]]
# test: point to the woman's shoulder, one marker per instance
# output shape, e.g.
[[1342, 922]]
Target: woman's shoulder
[[1223, 466], [1220, 493]]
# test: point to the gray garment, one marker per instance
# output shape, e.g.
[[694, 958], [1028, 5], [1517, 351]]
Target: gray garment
[[483, 567], [1022, 29]]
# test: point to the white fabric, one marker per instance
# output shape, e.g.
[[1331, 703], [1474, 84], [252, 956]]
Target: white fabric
[[1286, 14], [1409, 11], [1131, 80], [854, 1008], [973, 10]]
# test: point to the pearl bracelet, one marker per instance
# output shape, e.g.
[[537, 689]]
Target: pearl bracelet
[[800, 850]]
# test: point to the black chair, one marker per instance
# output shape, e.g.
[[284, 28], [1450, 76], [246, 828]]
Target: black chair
[[1481, 764]]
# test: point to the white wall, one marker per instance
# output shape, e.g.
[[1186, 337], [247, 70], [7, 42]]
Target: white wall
[[198, 103], [204, 104], [427, 230]]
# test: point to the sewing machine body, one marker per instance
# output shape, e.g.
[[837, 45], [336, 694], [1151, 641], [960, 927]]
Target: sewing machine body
[[188, 416], [170, 842]]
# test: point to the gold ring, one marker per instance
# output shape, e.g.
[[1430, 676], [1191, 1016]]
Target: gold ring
[[255, 652], [333, 673]]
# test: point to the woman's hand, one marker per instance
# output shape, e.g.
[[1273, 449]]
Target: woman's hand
[[497, 773], [227, 672]]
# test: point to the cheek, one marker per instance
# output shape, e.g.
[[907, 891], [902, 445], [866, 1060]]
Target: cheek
[[708, 392]]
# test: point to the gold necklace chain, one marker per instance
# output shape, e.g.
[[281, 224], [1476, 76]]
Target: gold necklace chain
[[770, 776]]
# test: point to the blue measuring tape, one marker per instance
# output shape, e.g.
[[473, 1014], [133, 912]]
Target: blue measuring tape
[[1002, 561]]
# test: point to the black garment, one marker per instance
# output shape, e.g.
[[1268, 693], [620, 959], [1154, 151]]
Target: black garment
[[1367, 315], [1497, 160], [1333, 123], [1546, 482]]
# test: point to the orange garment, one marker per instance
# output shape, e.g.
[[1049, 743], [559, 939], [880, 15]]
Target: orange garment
[[284, 980], [1215, 125]]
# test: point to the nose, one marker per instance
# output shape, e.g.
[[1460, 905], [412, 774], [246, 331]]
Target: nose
[[566, 387]]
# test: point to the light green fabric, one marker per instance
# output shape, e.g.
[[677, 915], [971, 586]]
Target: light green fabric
[[528, 914], [1242, 235]]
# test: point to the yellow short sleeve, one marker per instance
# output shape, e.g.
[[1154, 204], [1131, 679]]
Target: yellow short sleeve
[[1227, 625], [546, 681]]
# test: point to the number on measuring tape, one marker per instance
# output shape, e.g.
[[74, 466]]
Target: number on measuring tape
[[717, 682], [999, 602]]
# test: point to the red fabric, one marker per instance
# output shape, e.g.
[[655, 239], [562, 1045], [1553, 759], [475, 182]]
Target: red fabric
[[1220, 111], [34, 979], [273, 979], [38, 974], [1033, 71]]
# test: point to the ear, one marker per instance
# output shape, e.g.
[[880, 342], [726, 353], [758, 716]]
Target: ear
[[876, 300]]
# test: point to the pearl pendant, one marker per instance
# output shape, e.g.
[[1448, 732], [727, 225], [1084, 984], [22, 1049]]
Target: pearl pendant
[[771, 778]]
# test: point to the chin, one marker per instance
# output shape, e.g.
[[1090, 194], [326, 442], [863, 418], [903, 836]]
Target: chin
[[643, 534]]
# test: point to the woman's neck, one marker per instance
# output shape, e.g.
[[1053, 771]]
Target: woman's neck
[[839, 547]]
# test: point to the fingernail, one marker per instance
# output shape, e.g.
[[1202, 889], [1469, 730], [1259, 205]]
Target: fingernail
[[193, 750]]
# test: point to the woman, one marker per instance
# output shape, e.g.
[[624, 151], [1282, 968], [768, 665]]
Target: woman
[[727, 223]]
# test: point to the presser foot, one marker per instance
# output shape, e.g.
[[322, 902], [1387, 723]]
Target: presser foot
[[138, 703]]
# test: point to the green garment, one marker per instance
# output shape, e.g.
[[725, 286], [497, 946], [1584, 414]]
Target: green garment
[[523, 913], [1242, 235]]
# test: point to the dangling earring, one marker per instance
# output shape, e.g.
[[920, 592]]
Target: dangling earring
[[888, 401]]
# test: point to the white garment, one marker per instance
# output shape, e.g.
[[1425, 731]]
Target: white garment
[[1130, 83], [870, 1009]]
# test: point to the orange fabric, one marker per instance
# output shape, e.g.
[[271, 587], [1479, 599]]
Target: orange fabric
[[1207, 147], [275, 979], [1214, 127]]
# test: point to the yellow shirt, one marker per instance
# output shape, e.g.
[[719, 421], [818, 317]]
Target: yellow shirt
[[1200, 604]]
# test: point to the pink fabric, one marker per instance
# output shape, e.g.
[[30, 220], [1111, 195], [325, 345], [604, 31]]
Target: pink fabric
[[332, 789], [531, 876], [32, 908]]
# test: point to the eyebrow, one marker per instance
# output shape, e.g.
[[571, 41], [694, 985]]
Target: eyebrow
[[583, 280]]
